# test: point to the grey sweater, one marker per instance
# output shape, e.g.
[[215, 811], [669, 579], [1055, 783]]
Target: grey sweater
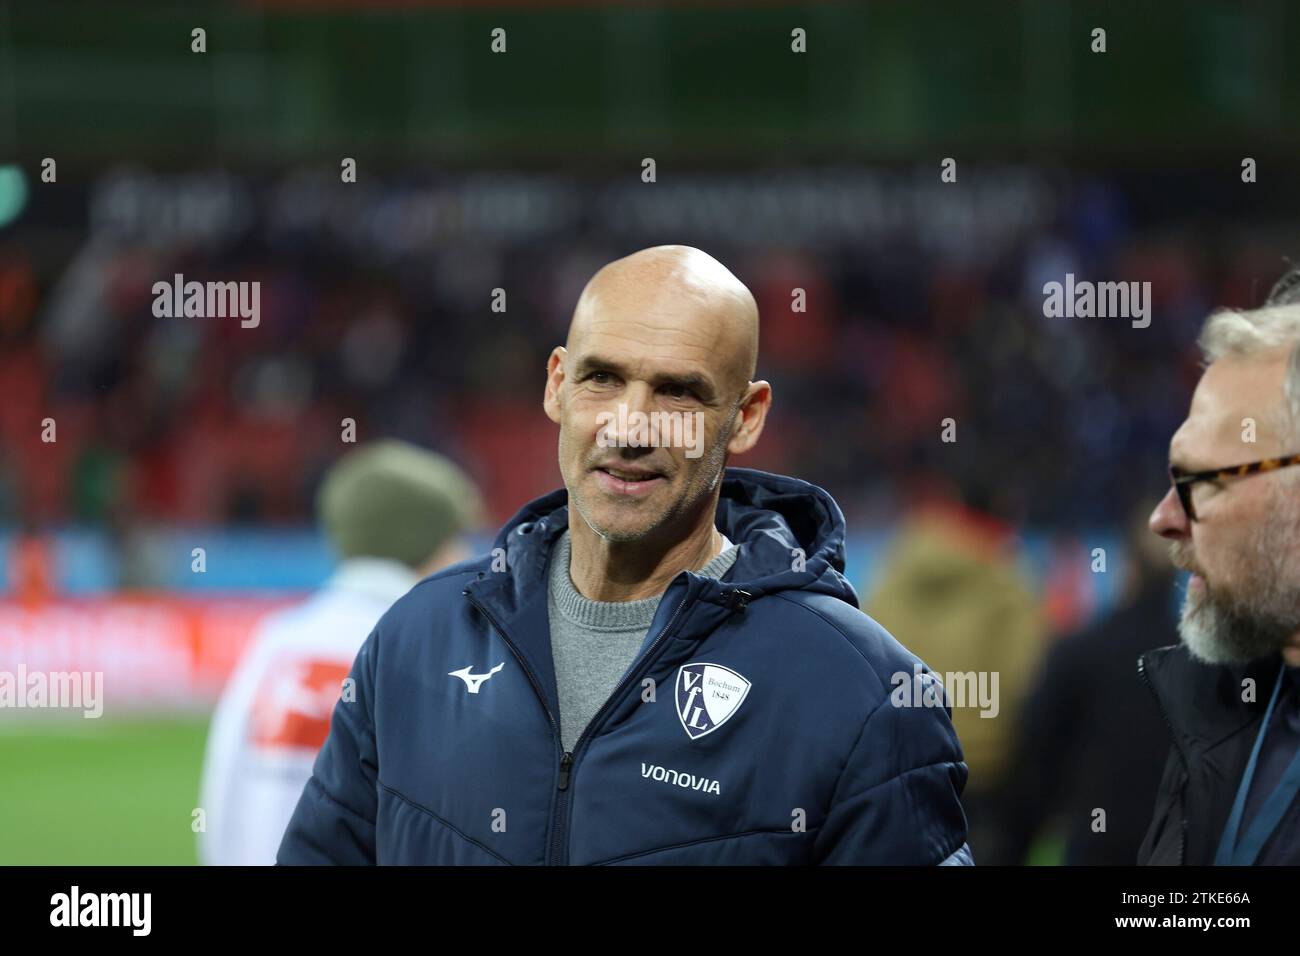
[[594, 642]]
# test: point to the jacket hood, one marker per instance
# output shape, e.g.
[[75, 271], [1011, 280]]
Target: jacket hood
[[790, 533]]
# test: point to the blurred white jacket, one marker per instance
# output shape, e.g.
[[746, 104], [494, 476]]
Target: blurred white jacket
[[274, 713]]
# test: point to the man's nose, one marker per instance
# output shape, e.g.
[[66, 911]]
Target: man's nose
[[630, 424], [639, 397], [1168, 518]]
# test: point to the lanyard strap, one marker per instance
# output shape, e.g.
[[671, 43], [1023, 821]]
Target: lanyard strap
[[1232, 853]]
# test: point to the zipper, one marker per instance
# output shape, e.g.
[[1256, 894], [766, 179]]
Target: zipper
[[558, 851], [565, 763], [558, 828], [559, 841], [1173, 736]]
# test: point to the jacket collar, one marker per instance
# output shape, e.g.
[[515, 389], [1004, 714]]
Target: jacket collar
[[790, 534], [1203, 702]]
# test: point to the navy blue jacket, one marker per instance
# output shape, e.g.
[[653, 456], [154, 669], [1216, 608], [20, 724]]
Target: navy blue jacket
[[756, 725]]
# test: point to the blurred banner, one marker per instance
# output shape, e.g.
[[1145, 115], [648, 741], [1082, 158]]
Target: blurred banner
[[156, 652]]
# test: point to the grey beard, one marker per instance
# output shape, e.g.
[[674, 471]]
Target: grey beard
[[1230, 631], [1236, 628]]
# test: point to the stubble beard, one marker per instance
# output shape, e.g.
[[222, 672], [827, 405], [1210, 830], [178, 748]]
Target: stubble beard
[[714, 462]]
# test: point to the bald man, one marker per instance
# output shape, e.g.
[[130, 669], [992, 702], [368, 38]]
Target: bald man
[[661, 663]]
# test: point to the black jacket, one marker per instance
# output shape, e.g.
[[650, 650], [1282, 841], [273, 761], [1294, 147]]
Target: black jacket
[[1213, 731]]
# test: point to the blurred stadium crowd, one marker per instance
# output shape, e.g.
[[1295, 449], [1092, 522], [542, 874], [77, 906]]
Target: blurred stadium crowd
[[200, 421]]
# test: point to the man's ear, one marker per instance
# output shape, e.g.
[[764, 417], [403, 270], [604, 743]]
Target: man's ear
[[554, 379], [750, 418]]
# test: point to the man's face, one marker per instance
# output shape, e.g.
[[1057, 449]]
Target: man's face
[[649, 404], [1243, 599]]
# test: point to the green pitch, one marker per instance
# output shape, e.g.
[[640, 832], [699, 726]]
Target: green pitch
[[99, 792]]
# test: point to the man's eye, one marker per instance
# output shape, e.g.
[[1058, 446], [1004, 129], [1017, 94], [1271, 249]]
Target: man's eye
[[678, 391], [1208, 488], [600, 378]]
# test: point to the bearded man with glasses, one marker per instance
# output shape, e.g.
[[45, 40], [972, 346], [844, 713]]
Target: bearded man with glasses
[[1230, 691]]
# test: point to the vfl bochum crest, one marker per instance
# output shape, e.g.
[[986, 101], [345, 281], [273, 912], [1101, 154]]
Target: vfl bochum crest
[[707, 696]]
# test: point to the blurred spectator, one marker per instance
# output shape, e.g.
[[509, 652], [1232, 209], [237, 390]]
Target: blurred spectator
[[952, 594], [1091, 740], [394, 513]]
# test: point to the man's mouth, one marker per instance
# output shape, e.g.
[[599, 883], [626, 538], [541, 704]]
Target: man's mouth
[[628, 481], [1181, 560]]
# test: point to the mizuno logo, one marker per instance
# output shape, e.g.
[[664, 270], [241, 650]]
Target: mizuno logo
[[687, 781], [472, 681]]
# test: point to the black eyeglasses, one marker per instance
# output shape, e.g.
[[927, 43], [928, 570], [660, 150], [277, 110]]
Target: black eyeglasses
[[1184, 480]]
